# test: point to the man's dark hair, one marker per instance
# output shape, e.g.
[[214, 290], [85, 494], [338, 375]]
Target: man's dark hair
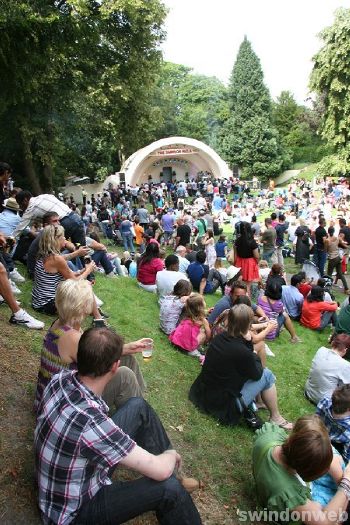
[[201, 256], [22, 195], [48, 216], [341, 399], [4, 167], [342, 222], [296, 279], [273, 216], [171, 260], [98, 350], [238, 284], [281, 217]]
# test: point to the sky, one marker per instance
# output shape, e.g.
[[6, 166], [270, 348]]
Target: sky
[[206, 34]]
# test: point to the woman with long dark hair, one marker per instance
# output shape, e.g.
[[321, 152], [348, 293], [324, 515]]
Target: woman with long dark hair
[[246, 255], [316, 312], [150, 264]]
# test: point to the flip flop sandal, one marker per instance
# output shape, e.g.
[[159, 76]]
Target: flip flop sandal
[[283, 423]]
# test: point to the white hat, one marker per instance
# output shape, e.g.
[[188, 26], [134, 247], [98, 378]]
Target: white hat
[[232, 272]]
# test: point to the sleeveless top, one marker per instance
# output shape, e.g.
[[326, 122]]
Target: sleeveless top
[[45, 284], [50, 361]]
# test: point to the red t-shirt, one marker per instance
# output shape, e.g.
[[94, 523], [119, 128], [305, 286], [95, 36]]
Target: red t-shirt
[[147, 272], [304, 289], [311, 313]]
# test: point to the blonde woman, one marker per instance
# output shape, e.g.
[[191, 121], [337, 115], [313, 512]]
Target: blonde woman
[[51, 268], [74, 302]]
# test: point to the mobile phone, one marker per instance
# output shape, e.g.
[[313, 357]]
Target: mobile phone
[[87, 259]]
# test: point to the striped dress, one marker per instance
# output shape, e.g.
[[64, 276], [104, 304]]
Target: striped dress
[[45, 284], [50, 361]]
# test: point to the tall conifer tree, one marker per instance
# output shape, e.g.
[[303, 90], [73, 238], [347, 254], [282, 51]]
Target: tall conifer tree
[[249, 139]]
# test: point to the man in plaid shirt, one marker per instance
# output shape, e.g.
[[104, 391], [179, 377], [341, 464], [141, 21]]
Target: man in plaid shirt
[[335, 413], [78, 446]]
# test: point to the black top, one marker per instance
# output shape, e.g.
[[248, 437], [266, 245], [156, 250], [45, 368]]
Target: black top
[[281, 229], [346, 232], [229, 363], [245, 249], [320, 232], [184, 232]]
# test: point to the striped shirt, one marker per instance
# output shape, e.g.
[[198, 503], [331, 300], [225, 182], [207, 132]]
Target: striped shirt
[[76, 445], [37, 208], [45, 285]]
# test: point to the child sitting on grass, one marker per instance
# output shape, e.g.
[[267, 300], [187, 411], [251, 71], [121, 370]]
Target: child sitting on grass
[[193, 331], [171, 306]]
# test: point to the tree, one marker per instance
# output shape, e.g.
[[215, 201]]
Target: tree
[[330, 78], [249, 139], [102, 54]]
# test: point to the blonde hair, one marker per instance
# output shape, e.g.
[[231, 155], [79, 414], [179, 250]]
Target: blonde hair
[[195, 307], [218, 263], [263, 264], [48, 244], [74, 300]]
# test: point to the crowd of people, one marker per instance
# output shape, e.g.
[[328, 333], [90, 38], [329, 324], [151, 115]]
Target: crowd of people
[[91, 414]]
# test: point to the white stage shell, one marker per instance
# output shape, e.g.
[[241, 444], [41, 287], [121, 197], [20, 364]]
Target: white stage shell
[[174, 158]]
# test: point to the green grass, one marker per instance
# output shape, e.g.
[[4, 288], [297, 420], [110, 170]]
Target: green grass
[[219, 456]]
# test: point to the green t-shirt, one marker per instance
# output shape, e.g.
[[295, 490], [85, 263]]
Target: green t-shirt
[[276, 488], [202, 227], [343, 320]]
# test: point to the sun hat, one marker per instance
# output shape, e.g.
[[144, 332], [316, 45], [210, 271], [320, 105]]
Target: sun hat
[[11, 204], [232, 272]]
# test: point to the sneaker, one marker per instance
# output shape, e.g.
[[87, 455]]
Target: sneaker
[[268, 351], [194, 353], [15, 288], [295, 339], [23, 318], [111, 275], [16, 276], [98, 301]]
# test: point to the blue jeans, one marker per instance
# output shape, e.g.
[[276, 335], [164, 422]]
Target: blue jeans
[[326, 318], [122, 501], [74, 228], [320, 258], [128, 242], [100, 257], [252, 388], [267, 255]]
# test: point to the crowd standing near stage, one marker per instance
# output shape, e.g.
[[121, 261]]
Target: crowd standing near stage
[[183, 240]]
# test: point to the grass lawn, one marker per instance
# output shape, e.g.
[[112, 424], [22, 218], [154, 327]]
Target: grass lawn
[[218, 456]]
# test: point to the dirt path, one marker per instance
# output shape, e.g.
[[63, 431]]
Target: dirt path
[[18, 371]]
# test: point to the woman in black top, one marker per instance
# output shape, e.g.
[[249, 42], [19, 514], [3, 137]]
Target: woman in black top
[[231, 369], [246, 254], [303, 244]]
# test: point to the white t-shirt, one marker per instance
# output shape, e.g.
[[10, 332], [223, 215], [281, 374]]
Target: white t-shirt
[[328, 370], [166, 280]]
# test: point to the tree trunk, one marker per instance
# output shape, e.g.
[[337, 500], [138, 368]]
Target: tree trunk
[[48, 173], [28, 164]]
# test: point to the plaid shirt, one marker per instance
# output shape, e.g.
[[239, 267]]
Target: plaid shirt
[[338, 429], [76, 444], [37, 208]]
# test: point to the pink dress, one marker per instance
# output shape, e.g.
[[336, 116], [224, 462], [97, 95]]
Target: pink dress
[[185, 335]]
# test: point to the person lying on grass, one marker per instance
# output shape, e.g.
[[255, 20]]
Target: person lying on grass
[[74, 301], [284, 465], [232, 369]]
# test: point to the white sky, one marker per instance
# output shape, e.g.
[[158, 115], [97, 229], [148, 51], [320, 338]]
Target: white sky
[[206, 35]]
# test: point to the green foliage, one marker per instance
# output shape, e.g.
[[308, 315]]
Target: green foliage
[[336, 165], [76, 82], [248, 138], [330, 78]]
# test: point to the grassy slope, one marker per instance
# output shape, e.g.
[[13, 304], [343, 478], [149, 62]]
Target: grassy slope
[[219, 456]]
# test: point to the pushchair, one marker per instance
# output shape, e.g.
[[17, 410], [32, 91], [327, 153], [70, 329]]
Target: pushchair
[[313, 275]]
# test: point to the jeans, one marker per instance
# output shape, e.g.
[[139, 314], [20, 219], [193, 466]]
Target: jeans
[[320, 258], [122, 501], [252, 388], [216, 279], [326, 318], [101, 257], [74, 228], [268, 255], [128, 242]]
